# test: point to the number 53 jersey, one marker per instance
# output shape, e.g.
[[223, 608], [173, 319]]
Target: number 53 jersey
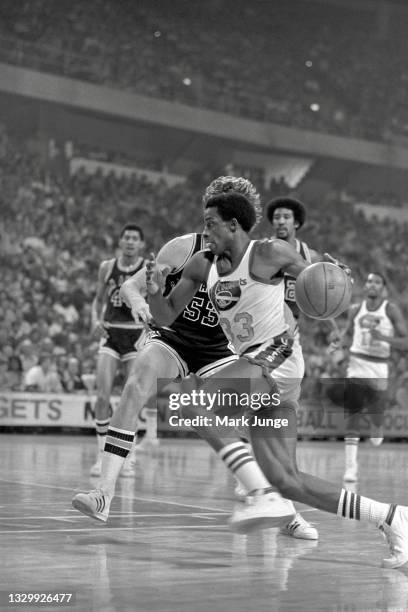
[[196, 334]]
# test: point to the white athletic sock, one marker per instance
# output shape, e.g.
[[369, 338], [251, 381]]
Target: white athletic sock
[[240, 462], [118, 444], [101, 427], [354, 506], [151, 423], [351, 450]]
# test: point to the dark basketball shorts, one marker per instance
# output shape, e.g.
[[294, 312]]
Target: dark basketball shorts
[[122, 343], [192, 357]]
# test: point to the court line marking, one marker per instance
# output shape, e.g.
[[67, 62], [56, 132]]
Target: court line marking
[[136, 528], [113, 515], [146, 499]]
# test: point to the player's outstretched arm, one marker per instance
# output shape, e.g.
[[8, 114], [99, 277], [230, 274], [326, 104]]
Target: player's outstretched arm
[[99, 300], [166, 310], [171, 257], [342, 338]]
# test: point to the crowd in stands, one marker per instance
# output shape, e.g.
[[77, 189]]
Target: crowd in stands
[[325, 67], [56, 228]]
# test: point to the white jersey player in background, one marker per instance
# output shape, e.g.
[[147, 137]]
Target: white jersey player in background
[[374, 327]]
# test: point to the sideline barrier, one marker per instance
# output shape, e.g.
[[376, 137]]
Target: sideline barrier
[[76, 411]]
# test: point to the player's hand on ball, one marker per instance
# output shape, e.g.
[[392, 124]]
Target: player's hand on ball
[[336, 262], [154, 276]]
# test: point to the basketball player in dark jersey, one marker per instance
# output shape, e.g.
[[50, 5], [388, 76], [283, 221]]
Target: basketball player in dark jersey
[[287, 215], [113, 322]]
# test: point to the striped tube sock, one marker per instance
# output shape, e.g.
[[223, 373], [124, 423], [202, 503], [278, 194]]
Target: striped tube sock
[[101, 431], [354, 506], [119, 441], [240, 462], [118, 444]]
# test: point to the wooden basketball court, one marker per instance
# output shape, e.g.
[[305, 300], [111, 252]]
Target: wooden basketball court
[[167, 546]]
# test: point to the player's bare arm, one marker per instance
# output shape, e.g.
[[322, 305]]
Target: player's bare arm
[[272, 256], [166, 309], [99, 300], [171, 257], [343, 338], [400, 338]]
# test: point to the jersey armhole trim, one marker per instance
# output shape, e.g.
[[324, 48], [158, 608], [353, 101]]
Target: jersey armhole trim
[[109, 269], [189, 255]]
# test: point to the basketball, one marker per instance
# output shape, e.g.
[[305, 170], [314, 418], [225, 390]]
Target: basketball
[[323, 291]]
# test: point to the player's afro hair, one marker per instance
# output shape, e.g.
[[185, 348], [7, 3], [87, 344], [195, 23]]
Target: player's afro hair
[[233, 205], [224, 184], [299, 211]]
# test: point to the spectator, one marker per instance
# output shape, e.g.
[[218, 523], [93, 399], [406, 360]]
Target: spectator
[[65, 308], [14, 373], [43, 377], [71, 378], [27, 354]]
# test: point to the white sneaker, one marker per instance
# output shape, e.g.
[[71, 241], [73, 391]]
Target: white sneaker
[[96, 469], [262, 511], [376, 441], [239, 492], [95, 504], [396, 535], [350, 475], [300, 528]]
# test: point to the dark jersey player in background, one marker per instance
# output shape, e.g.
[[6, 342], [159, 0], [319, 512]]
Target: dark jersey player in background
[[287, 215], [112, 320]]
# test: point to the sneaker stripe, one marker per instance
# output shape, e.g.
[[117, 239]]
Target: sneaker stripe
[[390, 514], [358, 502], [352, 505], [344, 509]]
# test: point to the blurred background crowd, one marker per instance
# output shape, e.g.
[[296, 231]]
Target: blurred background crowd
[[56, 228], [336, 71], [311, 65]]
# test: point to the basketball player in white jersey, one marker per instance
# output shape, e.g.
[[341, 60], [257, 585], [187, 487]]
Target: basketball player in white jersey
[[113, 322], [374, 327], [195, 343], [245, 281]]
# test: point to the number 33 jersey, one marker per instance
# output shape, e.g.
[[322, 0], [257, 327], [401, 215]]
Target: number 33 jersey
[[251, 311]]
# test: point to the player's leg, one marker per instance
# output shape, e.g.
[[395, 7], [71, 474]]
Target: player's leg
[[129, 465], [237, 455], [108, 361], [136, 342], [153, 363], [276, 455], [355, 398], [376, 408]]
